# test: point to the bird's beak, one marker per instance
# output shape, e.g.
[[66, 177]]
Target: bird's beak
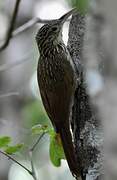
[[65, 16]]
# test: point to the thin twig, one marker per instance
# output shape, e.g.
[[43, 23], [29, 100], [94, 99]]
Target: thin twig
[[35, 144], [5, 154], [32, 172], [28, 25], [9, 94], [11, 26], [31, 152], [21, 29], [32, 166], [25, 26]]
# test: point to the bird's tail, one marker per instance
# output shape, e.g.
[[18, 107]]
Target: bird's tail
[[69, 150]]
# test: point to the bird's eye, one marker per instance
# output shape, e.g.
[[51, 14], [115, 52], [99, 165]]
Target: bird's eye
[[54, 29]]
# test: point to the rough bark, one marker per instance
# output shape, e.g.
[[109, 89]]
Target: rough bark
[[85, 123], [100, 57]]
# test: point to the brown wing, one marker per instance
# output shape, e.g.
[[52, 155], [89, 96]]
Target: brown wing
[[46, 103], [44, 93], [56, 95], [57, 105], [57, 101]]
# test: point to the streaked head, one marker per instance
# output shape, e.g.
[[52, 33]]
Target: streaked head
[[52, 30]]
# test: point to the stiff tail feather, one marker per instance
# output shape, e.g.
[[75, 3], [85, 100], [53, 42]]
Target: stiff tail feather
[[69, 150]]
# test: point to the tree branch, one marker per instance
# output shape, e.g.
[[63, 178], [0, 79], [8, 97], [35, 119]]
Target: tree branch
[[32, 172], [28, 25], [21, 29], [9, 94], [11, 26]]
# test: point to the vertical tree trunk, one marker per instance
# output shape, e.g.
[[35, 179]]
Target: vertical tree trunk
[[100, 56], [85, 124]]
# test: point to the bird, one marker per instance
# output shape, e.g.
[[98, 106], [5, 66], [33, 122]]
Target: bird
[[57, 82]]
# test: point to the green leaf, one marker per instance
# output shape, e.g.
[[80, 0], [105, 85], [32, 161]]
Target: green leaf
[[13, 149], [39, 129], [51, 132], [56, 149], [4, 141]]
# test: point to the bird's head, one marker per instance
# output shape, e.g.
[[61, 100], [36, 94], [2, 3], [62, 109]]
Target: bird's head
[[52, 31]]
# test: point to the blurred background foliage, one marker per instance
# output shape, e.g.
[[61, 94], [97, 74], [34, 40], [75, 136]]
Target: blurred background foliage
[[24, 109], [33, 113], [81, 5]]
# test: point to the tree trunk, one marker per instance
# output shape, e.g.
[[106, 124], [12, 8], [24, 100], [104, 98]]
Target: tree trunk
[[86, 126]]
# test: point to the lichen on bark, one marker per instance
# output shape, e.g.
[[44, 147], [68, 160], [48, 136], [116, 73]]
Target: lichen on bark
[[87, 130]]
